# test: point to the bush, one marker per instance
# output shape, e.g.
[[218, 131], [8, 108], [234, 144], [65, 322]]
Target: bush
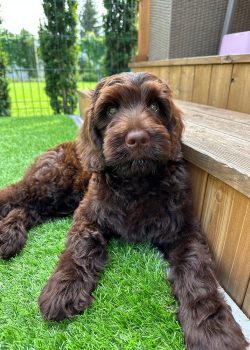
[[91, 57], [4, 91]]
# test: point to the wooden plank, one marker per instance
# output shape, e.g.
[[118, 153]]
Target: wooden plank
[[221, 155], [220, 85], [234, 263], [227, 231], [84, 101], [144, 30], [216, 112], [146, 69], [186, 83], [202, 77], [246, 302], [216, 209], [229, 59], [233, 128], [239, 99], [174, 80], [201, 147], [164, 73], [135, 70], [199, 182], [84, 93], [155, 70], [226, 147]]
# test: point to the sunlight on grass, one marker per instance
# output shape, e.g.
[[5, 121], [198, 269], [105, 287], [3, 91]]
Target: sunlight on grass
[[29, 98]]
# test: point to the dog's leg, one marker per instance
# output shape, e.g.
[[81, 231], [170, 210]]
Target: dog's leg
[[53, 186], [13, 231], [16, 217], [206, 319], [68, 291], [7, 200]]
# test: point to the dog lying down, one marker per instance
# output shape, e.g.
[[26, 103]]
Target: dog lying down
[[125, 177]]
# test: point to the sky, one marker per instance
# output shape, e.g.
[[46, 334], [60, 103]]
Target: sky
[[18, 14]]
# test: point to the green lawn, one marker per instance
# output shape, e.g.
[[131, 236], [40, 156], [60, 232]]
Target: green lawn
[[133, 307], [29, 98]]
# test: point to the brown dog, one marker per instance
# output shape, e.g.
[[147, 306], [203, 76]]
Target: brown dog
[[127, 177]]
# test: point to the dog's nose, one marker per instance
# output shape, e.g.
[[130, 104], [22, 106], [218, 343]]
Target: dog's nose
[[137, 138]]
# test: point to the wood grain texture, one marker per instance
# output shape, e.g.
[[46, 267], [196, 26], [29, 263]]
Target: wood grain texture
[[229, 59], [225, 221], [216, 210], [236, 129], [202, 77], [219, 113], [155, 70], [174, 81], [164, 73], [220, 81], [186, 83], [144, 30], [246, 302], [239, 95], [220, 85], [236, 251], [218, 141], [84, 101], [199, 183], [223, 156], [137, 69]]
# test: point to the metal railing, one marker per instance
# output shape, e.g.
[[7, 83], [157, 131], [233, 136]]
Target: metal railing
[[26, 72]]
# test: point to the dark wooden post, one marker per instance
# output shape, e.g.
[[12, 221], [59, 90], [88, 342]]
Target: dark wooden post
[[144, 31]]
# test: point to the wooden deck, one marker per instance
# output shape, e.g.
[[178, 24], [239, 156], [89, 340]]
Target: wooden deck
[[218, 141]]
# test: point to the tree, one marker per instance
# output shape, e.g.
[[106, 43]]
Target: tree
[[120, 33], [59, 53], [88, 19], [26, 52], [4, 91], [20, 50], [91, 57]]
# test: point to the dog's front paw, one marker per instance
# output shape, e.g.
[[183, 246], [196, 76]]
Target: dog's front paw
[[63, 298], [218, 331]]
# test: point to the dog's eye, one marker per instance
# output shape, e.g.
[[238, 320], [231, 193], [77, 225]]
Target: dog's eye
[[154, 107], [111, 110]]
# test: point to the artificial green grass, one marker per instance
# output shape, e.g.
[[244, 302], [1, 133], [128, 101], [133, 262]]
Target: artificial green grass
[[29, 97], [133, 307]]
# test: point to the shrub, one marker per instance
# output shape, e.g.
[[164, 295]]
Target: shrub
[[4, 91]]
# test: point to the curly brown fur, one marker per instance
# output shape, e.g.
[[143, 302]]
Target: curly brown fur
[[127, 177]]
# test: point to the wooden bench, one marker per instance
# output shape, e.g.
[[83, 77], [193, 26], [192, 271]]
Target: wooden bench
[[216, 144]]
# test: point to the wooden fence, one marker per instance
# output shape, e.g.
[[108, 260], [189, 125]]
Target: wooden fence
[[219, 81]]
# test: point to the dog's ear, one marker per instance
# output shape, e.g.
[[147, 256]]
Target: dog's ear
[[175, 124], [176, 128], [89, 145]]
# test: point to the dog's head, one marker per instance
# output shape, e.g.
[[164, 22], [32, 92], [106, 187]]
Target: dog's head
[[132, 126]]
